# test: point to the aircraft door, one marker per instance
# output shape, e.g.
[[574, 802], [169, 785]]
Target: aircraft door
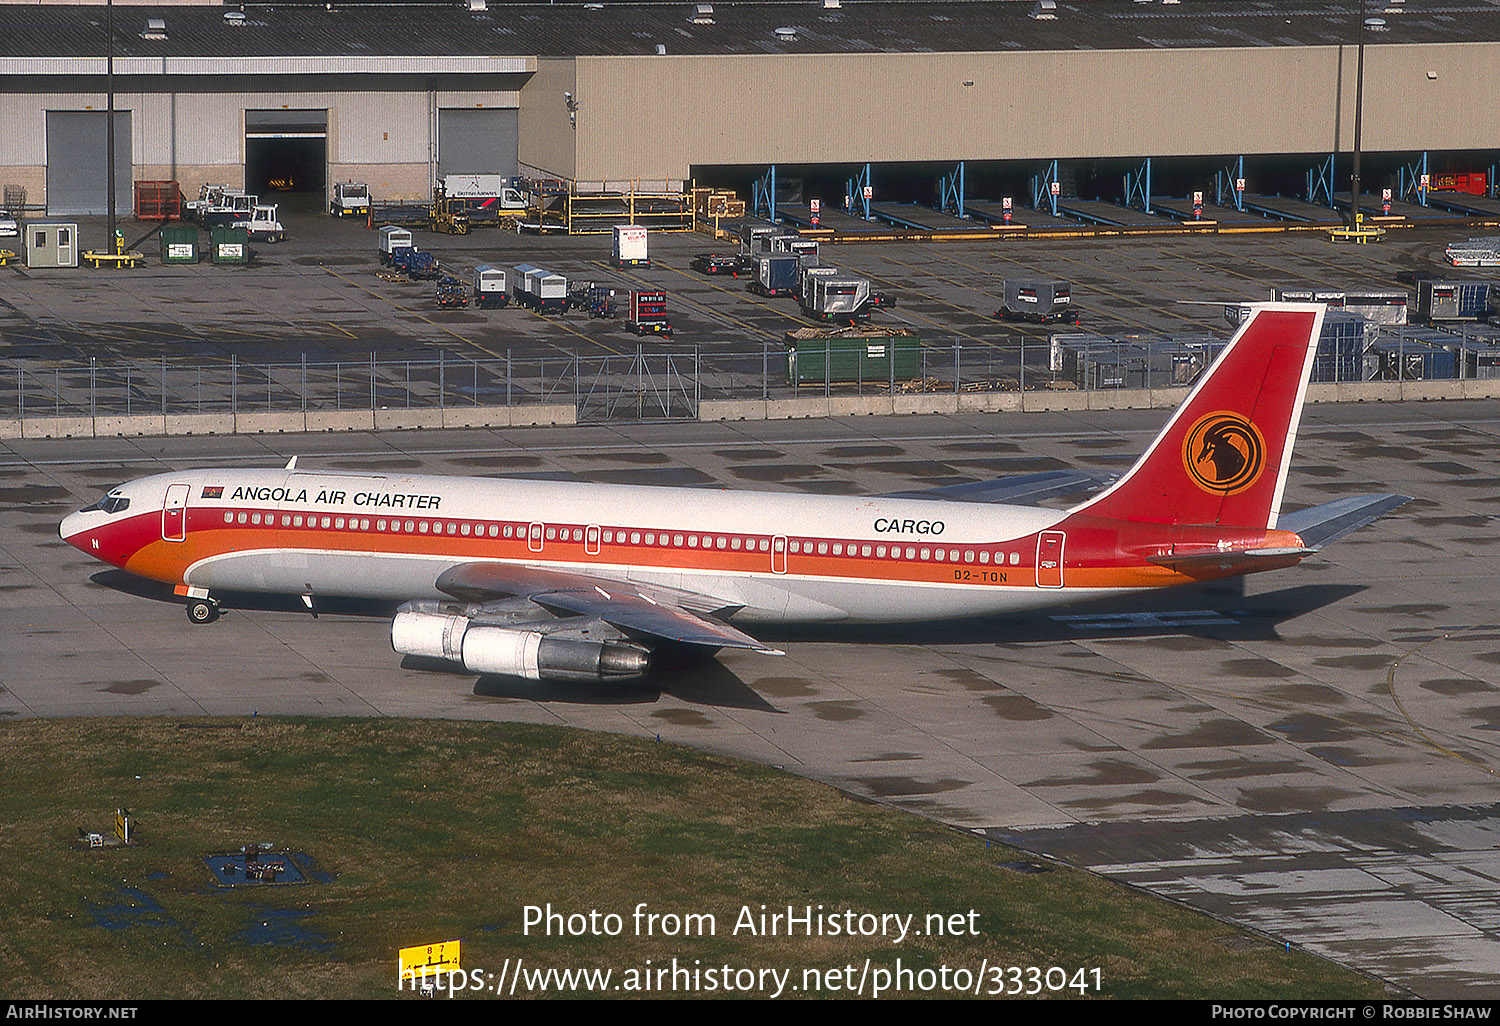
[[1049, 559], [778, 554], [534, 537], [591, 540], [174, 513]]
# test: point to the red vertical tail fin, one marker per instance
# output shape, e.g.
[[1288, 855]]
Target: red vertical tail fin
[[1223, 457]]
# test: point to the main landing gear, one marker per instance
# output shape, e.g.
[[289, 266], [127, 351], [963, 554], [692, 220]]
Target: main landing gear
[[204, 610]]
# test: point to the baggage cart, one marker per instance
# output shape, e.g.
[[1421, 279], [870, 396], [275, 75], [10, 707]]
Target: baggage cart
[[601, 301], [451, 292], [648, 314]]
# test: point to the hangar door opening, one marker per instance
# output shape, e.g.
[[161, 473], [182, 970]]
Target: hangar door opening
[[78, 161], [479, 140], [286, 155]]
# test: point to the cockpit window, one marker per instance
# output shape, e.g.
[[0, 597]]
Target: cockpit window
[[111, 504]]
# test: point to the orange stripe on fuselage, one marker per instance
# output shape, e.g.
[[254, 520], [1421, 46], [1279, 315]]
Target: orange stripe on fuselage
[[1098, 553]]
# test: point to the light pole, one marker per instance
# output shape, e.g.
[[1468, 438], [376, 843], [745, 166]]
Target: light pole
[[109, 126], [1359, 94]]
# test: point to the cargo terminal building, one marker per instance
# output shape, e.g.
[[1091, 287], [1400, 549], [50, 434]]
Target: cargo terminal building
[[832, 93]]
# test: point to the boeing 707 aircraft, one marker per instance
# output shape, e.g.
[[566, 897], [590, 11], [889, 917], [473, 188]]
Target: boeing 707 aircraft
[[583, 582]]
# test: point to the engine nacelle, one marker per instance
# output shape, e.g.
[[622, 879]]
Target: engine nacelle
[[515, 652], [432, 635]]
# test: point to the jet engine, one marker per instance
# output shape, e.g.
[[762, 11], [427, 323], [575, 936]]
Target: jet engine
[[528, 649]]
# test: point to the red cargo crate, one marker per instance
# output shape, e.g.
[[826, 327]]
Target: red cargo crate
[[1474, 183], [158, 201]]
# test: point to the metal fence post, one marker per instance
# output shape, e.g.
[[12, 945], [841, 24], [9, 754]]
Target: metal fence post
[[507, 377], [304, 384], [442, 380], [372, 381], [957, 365]]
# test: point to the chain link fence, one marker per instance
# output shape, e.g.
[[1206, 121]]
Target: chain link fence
[[651, 384]]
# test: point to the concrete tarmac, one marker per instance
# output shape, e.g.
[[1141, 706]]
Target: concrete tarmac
[[1310, 753]]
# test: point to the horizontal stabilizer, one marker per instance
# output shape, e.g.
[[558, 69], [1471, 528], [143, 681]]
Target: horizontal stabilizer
[[1319, 525], [1228, 562], [1020, 488]]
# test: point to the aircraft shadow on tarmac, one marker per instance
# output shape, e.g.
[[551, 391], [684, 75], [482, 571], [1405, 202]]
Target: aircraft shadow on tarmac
[[1218, 610], [705, 682]]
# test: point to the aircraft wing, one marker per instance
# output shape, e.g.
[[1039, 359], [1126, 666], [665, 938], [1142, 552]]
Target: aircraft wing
[[1019, 488], [658, 612], [1319, 525]]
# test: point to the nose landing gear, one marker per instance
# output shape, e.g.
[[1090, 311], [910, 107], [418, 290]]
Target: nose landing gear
[[204, 610]]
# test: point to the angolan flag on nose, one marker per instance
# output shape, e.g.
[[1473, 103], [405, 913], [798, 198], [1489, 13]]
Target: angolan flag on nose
[[213, 491]]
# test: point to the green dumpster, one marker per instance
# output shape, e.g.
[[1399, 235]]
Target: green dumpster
[[179, 244], [866, 356], [229, 246]]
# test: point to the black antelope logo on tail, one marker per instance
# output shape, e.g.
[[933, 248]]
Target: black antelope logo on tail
[[1224, 453]]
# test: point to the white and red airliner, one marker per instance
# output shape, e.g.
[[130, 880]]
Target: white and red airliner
[[563, 581]]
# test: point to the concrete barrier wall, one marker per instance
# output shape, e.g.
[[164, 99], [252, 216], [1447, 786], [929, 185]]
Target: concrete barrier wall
[[294, 422], [559, 414], [1065, 400]]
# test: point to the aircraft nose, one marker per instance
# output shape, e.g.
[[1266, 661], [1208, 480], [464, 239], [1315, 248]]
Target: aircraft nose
[[74, 529], [69, 527]]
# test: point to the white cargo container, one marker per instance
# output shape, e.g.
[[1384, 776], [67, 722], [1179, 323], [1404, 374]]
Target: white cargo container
[[393, 238], [489, 287], [794, 244], [837, 298], [518, 282], [630, 248], [542, 290], [806, 272]]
